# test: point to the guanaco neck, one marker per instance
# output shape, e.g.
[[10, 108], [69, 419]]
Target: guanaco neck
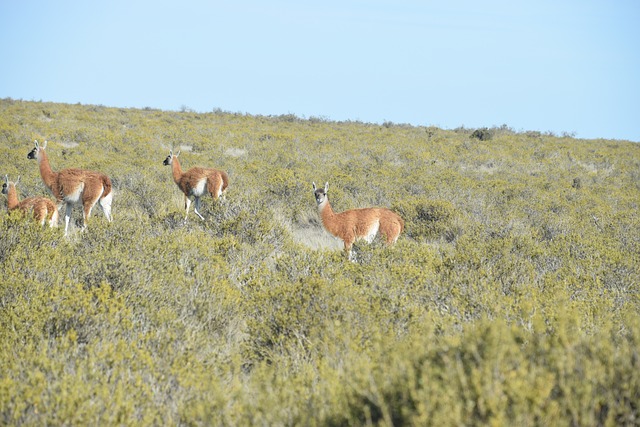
[[48, 175], [327, 215], [176, 170], [12, 197]]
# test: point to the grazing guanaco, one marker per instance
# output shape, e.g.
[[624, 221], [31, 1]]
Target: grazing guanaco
[[197, 182], [71, 186], [356, 224], [43, 209]]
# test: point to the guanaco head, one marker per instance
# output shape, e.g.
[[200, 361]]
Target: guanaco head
[[169, 159], [320, 194], [33, 154], [6, 183]]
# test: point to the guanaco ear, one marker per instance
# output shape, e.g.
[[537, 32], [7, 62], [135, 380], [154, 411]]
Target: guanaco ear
[[44, 145], [170, 153], [326, 187], [314, 186], [6, 179], [36, 143], [17, 180], [177, 154]]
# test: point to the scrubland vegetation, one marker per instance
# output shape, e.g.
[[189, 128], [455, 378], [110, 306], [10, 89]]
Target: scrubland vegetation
[[510, 299]]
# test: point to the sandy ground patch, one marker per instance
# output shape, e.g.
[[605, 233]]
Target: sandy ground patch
[[316, 238], [69, 144], [235, 152]]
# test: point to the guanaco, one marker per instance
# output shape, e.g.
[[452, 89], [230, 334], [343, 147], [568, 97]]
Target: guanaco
[[356, 224], [43, 208], [71, 186], [196, 182]]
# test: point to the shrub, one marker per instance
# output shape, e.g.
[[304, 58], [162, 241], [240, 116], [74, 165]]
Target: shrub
[[482, 134], [511, 298], [428, 220]]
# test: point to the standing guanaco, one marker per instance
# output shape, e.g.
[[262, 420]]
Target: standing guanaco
[[71, 186], [196, 182], [43, 208], [356, 224]]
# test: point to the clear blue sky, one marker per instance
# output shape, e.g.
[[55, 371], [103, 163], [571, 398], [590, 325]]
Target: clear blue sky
[[561, 66]]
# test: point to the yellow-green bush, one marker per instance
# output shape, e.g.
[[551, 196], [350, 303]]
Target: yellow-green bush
[[427, 220], [510, 299]]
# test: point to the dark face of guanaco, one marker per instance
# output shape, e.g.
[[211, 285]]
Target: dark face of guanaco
[[319, 193], [168, 160], [33, 153], [5, 188]]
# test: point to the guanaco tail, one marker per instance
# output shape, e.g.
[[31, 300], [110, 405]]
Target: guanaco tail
[[72, 186], [356, 224], [196, 182], [43, 208]]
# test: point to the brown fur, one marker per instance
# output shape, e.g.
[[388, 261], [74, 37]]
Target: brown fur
[[70, 186], [356, 224], [196, 182], [43, 209]]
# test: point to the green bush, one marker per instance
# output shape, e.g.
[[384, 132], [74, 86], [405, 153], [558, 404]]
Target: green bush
[[482, 134], [428, 220], [510, 299]]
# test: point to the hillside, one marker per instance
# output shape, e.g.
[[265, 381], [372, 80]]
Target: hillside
[[510, 299]]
